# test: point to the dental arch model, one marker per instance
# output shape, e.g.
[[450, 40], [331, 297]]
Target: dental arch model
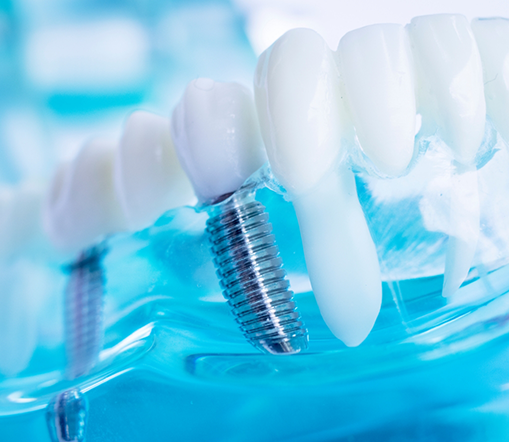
[[367, 95]]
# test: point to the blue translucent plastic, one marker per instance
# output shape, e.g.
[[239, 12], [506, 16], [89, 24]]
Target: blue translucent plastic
[[176, 367]]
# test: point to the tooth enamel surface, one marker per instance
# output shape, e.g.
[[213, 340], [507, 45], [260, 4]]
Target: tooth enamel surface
[[216, 134], [492, 36], [82, 205], [148, 176], [378, 72], [451, 91], [298, 101], [300, 109]]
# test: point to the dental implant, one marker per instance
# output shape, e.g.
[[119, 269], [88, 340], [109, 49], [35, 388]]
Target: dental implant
[[66, 414], [81, 211], [215, 131]]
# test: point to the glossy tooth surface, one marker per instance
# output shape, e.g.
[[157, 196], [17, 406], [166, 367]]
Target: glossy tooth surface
[[216, 134], [451, 90], [492, 36], [148, 176], [82, 205], [300, 109], [378, 72]]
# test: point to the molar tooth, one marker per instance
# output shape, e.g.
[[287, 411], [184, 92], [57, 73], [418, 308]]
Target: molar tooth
[[82, 205], [300, 109], [148, 177], [492, 36], [378, 73], [452, 98], [451, 91]]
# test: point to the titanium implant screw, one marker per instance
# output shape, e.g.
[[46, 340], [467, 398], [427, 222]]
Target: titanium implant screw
[[67, 413], [250, 270], [83, 312]]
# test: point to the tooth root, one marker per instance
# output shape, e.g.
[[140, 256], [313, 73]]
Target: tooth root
[[449, 71], [227, 149], [340, 256], [148, 176], [82, 205], [378, 73], [492, 36], [300, 108], [464, 228], [452, 98]]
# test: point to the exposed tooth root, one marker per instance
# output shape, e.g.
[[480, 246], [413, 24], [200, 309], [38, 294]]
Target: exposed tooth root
[[452, 99], [300, 107], [341, 257], [464, 228], [377, 68]]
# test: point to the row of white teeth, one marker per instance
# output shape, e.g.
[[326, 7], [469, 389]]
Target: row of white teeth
[[311, 102]]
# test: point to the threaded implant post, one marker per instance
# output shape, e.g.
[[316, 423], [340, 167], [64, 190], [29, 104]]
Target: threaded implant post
[[250, 270], [66, 414], [83, 312]]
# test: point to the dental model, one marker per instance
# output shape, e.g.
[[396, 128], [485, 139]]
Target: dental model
[[82, 208], [302, 115], [216, 135], [451, 98]]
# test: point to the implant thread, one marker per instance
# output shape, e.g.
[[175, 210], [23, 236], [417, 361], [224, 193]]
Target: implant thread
[[250, 270], [83, 312]]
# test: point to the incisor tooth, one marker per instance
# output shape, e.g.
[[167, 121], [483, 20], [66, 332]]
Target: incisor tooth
[[452, 99], [378, 72], [300, 107], [451, 92], [492, 35]]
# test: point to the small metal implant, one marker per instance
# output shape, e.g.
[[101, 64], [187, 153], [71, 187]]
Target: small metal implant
[[66, 414], [251, 274]]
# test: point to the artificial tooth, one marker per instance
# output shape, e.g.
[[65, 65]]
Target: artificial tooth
[[451, 90], [300, 109], [217, 124], [148, 176], [82, 205], [20, 228], [377, 68], [20, 218], [451, 98], [492, 36]]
